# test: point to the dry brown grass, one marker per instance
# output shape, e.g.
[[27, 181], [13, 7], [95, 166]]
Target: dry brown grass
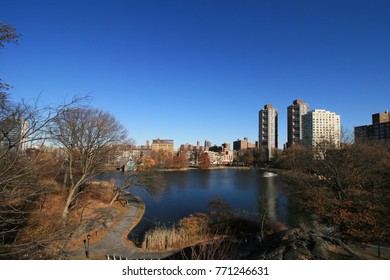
[[87, 215]]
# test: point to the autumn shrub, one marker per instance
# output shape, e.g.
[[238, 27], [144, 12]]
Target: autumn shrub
[[196, 225], [220, 215]]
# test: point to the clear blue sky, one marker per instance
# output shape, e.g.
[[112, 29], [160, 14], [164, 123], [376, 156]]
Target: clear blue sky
[[202, 69]]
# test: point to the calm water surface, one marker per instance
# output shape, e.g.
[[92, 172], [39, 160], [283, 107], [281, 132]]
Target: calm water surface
[[181, 193]]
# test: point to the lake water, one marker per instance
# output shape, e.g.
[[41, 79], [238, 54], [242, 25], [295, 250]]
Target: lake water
[[181, 193]]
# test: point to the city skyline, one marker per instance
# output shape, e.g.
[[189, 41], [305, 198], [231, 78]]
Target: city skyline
[[198, 70]]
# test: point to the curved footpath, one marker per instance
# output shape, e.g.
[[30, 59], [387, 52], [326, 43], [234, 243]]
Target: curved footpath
[[115, 243]]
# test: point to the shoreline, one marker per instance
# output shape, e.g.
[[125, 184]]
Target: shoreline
[[210, 168], [135, 222], [216, 167]]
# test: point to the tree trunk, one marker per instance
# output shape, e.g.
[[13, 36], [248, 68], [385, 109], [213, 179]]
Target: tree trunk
[[68, 202], [71, 196], [340, 190], [114, 198], [262, 229], [65, 182]]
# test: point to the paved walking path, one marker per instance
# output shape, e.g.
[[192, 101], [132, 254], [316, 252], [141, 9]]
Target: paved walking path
[[113, 243]]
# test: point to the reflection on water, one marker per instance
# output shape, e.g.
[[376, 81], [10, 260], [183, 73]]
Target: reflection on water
[[182, 193], [270, 195]]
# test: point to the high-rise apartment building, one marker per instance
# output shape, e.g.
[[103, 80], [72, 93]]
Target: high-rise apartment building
[[268, 130], [294, 121], [379, 130], [320, 126], [207, 145], [13, 134]]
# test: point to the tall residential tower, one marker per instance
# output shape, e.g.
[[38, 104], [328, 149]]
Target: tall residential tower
[[13, 134], [268, 130], [294, 121], [321, 127]]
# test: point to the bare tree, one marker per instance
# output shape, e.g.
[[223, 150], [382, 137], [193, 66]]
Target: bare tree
[[351, 167], [297, 158], [263, 217], [86, 135], [131, 181], [8, 34], [22, 125], [21, 190], [347, 188], [346, 136]]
